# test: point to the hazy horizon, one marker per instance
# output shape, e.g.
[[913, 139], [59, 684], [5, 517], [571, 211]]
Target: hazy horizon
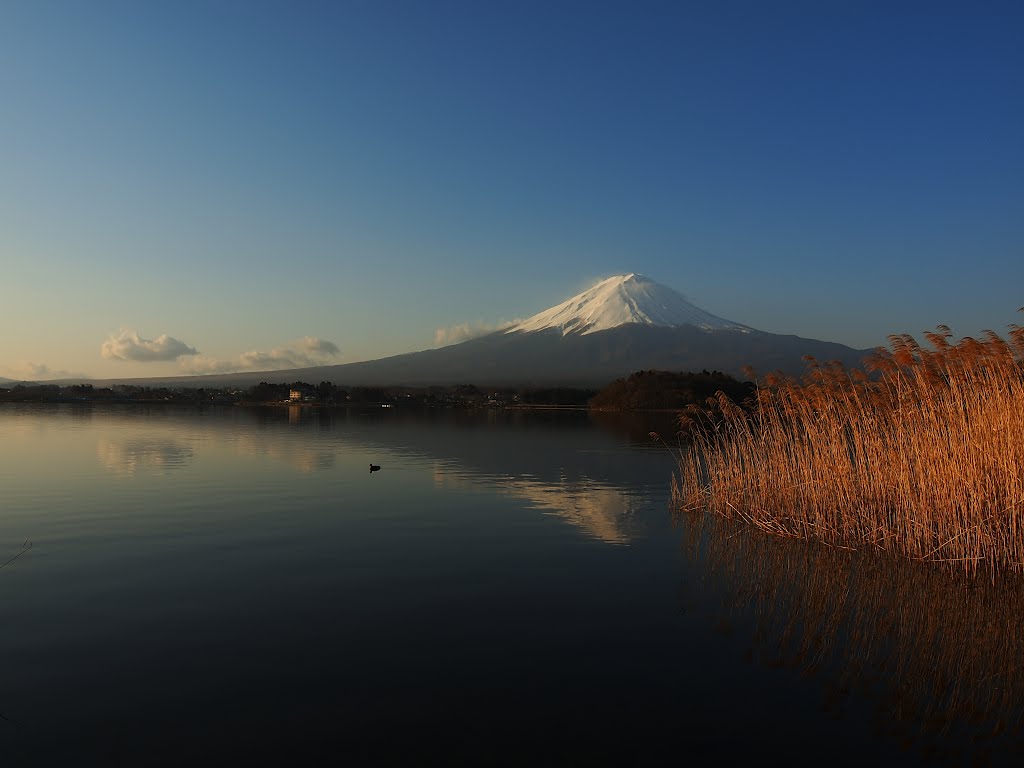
[[203, 188]]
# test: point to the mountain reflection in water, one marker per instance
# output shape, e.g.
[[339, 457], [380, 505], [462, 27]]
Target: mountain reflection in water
[[938, 657], [560, 475], [600, 510]]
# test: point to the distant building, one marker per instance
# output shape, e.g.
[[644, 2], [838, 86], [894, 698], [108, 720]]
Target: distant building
[[302, 395]]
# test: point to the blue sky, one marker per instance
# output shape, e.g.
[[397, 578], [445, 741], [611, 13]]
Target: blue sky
[[268, 183]]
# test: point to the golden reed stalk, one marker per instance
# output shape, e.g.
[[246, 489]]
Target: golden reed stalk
[[921, 455]]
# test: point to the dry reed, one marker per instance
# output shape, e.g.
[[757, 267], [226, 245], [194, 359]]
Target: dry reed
[[921, 454]]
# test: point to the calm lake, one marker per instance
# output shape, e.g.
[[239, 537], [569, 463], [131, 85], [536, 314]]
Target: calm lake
[[234, 586]]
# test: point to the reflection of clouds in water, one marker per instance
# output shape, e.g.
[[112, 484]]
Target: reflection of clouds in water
[[299, 455], [129, 455], [22, 430], [601, 511], [20, 422], [448, 478]]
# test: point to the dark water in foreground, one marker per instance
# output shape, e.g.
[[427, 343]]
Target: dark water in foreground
[[234, 587]]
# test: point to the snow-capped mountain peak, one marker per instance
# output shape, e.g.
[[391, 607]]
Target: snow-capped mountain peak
[[621, 300]]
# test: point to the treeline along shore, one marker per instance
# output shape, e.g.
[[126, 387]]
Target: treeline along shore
[[644, 390], [299, 392]]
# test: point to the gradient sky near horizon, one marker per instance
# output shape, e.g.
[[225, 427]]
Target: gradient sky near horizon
[[227, 185]]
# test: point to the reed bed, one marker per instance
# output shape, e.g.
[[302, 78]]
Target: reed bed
[[919, 454]]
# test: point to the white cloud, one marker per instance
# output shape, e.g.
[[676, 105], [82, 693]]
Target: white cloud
[[128, 345], [29, 371], [454, 334], [306, 352]]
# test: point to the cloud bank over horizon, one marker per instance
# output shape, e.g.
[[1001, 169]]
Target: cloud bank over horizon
[[128, 345], [31, 371], [460, 332], [307, 352]]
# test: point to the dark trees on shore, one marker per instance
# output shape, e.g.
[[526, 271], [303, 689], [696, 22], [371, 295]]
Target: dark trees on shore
[[665, 390]]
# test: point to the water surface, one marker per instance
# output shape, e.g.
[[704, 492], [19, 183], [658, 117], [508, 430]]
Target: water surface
[[234, 585]]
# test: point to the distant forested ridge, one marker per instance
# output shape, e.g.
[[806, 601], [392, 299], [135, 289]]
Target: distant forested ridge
[[666, 390]]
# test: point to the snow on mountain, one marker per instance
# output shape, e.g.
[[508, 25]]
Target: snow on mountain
[[620, 300]]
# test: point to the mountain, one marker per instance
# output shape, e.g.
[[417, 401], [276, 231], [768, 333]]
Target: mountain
[[624, 324]]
